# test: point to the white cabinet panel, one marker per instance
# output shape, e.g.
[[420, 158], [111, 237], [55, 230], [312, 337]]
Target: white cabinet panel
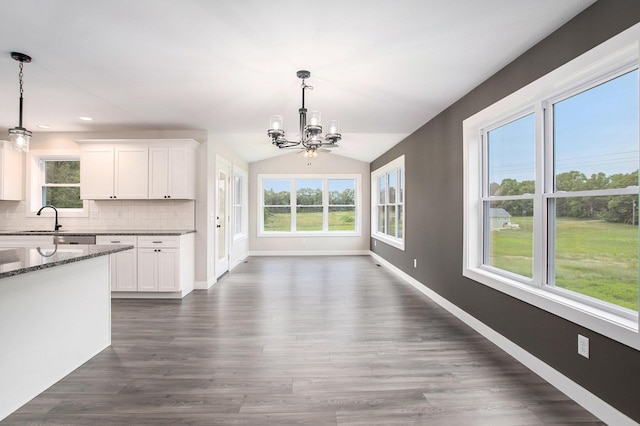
[[131, 176], [96, 173], [124, 264], [171, 172], [11, 174]]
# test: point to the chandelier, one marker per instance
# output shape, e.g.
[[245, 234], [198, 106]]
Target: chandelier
[[19, 136], [311, 138]]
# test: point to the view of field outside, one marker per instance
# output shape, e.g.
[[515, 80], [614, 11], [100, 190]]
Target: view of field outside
[[308, 202], [56, 191], [594, 239]]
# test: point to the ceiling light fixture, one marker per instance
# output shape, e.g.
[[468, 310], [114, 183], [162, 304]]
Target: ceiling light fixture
[[19, 136], [310, 134]]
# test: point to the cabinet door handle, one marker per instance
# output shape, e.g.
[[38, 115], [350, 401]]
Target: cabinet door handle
[[157, 242], [115, 242]]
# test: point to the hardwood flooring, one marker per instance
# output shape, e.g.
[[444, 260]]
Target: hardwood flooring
[[299, 341]]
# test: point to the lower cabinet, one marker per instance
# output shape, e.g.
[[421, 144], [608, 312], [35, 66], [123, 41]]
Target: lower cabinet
[[158, 269], [158, 264], [124, 265]]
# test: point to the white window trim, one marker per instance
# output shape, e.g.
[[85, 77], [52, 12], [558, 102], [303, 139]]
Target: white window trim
[[244, 234], [325, 195], [605, 58], [398, 163], [34, 183]]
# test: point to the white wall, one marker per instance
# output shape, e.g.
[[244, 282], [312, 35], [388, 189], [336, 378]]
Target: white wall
[[294, 163], [206, 198]]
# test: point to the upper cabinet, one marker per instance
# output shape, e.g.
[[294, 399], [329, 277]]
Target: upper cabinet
[[11, 173], [172, 172], [137, 169]]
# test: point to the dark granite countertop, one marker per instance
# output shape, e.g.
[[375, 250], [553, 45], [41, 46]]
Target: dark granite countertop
[[101, 232], [16, 261]]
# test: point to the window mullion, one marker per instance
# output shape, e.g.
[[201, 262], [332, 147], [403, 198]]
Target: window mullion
[[293, 201], [540, 242]]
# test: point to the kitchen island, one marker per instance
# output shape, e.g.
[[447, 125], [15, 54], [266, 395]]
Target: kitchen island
[[55, 314]]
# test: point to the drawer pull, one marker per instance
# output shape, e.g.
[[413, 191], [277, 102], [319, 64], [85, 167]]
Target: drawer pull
[[157, 242], [115, 242]]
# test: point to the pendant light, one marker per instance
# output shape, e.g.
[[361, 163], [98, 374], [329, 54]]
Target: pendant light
[[19, 136]]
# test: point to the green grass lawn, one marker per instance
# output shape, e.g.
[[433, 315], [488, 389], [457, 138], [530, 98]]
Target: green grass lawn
[[594, 258], [310, 221]]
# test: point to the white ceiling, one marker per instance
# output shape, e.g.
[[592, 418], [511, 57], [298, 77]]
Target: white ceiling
[[382, 67]]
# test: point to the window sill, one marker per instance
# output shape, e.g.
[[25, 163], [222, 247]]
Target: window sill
[[308, 234], [616, 327], [394, 242]]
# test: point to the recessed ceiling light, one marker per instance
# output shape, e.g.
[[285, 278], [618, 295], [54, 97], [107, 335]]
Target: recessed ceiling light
[[43, 126], [86, 118]]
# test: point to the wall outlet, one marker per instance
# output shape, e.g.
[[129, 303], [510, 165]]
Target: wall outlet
[[374, 243], [415, 263], [583, 346], [95, 214]]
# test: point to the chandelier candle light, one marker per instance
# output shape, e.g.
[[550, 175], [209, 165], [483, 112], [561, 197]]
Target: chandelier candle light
[[310, 133], [20, 136]]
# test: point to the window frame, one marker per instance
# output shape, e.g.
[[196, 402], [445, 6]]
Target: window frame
[[35, 177], [397, 165], [325, 205], [241, 202], [603, 63]]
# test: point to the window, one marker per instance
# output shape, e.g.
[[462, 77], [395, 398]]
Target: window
[[240, 201], [551, 192], [309, 205], [54, 179], [61, 183], [387, 212]]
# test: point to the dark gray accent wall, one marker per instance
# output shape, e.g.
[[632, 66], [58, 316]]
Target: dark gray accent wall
[[434, 219]]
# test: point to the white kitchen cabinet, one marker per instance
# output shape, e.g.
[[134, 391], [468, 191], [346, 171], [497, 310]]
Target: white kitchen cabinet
[[138, 169], [124, 264], [172, 172], [159, 263], [11, 173], [109, 172]]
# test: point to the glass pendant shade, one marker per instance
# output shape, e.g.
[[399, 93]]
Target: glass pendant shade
[[334, 127], [19, 138], [315, 118], [277, 122]]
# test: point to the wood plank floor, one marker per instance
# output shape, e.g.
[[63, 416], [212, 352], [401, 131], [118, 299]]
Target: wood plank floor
[[299, 341]]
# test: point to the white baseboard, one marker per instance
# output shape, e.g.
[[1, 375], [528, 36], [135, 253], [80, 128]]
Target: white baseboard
[[312, 253], [204, 285], [237, 262], [586, 399]]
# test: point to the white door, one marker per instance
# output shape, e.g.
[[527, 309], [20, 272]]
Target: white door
[[223, 173]]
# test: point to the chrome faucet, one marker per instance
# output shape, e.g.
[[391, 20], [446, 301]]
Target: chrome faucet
[[57, 225]]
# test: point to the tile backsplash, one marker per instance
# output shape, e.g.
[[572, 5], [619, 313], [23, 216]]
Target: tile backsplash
[[107, 215]]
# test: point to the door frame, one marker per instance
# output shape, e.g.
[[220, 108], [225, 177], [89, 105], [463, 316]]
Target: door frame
[[222, 266]]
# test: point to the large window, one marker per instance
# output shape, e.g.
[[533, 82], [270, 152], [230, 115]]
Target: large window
[[309, 205], [53, 178], [387, 207], [551, 193]]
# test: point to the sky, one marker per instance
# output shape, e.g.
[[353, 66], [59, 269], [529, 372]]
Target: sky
[[279, 185], [594, 131]]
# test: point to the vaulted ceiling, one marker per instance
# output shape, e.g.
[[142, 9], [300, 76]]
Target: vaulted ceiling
[[382, 67]]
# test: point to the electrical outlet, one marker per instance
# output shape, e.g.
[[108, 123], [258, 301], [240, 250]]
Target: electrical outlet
[[95, 214], [415, 263], [583, 346], [175, 214], [374, 243]]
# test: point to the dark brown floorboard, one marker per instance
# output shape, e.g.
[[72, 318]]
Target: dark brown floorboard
[[299, 341]]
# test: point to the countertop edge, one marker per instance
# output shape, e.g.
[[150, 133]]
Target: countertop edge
[[97, 233], [102, 250]]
